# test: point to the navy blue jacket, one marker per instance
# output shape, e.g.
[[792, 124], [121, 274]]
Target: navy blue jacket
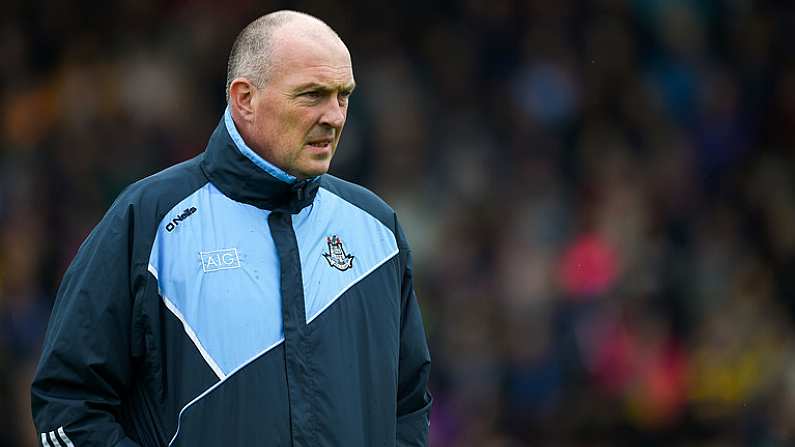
[[221, 303]]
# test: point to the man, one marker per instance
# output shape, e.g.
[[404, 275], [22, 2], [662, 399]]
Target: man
[[244, 297]]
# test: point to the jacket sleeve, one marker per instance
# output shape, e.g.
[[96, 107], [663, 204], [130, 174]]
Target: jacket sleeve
[[413, 399], [85, 365]]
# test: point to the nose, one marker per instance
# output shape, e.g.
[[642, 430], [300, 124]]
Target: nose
[[333, 114]]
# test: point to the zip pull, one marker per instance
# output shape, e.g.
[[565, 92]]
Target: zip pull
[[300, 187]]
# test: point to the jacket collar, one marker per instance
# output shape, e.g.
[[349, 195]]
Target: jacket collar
[[244, 176]]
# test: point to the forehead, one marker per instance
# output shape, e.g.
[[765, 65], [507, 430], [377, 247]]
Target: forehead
[[299, 59]]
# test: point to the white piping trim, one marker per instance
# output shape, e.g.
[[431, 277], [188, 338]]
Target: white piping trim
[[217, 384], [188, 330], [153, 271], [44, 441], [54, 439], [65, 438], [353, 283]]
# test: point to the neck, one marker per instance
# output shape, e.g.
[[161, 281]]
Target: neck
[[239, 139], [237, 175]]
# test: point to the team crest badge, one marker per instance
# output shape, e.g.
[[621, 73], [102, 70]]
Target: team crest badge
[[336, 255]]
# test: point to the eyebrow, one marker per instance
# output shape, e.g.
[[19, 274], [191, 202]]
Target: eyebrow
[[323, 87]]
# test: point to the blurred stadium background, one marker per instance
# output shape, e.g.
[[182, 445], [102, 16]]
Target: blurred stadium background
[[600, 194]]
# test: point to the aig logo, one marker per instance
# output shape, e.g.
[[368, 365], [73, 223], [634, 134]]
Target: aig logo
[[220, 259]]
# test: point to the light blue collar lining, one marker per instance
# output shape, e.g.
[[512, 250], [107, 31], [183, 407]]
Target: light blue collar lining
[[241, 145]]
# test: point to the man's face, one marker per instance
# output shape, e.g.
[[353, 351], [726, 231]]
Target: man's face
[[301, 109]]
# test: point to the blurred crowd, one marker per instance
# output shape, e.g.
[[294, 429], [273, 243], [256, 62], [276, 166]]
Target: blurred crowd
[[600, 195]]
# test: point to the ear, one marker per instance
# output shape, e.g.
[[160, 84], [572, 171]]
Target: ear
[[241, 98]]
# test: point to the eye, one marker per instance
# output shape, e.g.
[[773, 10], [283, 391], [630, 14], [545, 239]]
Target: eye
[[312, 94], [343, 96]]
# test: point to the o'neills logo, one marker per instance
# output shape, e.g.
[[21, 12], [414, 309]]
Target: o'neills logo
[[336, 255], [182, 216]]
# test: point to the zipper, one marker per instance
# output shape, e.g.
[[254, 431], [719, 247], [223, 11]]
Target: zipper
[[300, 188], [299, 368]]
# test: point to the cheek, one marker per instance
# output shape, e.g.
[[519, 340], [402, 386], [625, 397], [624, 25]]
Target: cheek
[[265, 126], [293, 122]]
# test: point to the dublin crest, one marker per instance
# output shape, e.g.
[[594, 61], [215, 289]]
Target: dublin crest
[[336, 255]]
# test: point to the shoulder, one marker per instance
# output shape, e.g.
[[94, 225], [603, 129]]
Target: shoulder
[[155, 195], [127, 229], [362, 198], [140, 208]]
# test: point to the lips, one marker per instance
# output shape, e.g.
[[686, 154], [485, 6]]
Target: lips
[[321, 142]]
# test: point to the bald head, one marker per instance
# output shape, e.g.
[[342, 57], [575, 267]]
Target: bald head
[[252, 54]]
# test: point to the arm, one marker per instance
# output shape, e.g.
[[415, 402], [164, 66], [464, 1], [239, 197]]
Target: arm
[[413, 399], [85, 364]]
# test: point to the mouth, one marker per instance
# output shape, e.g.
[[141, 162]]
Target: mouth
[[320, 144]]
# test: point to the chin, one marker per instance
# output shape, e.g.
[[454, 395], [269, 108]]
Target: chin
[[315, 171], [313, 166]]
